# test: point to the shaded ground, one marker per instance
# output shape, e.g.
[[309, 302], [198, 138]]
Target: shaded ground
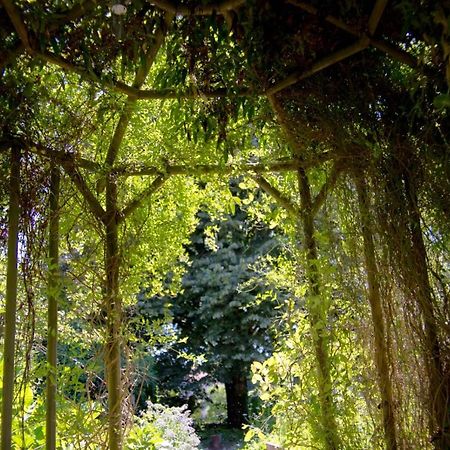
[[231, 438]]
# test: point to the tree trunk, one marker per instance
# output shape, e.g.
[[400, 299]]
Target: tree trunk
[[381, 350], [11, 301], [419, 286], [113, 308], [317, 312], [237, 400], [52, 317]]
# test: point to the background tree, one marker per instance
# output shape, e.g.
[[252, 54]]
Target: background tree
[[226, 307]]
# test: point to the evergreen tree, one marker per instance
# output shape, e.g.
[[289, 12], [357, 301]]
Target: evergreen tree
[[226, 306]]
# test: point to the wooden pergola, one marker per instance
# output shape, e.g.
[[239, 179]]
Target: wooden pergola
[[111, 214]]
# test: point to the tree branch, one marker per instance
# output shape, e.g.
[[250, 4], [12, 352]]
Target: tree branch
[[283, 201], [322, 64], [199, 10], [137, 202]]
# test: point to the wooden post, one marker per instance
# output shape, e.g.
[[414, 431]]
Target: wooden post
[[113, 308], [318, 318], [417, 268], [52, 313], [11, 301], [381, 350]]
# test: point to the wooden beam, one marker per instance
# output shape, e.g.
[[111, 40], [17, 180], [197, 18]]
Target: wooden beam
[[142, 197], [282, 200], [196, 93], [74, 160], [53, 296], [375, 16], [141, 75], [328, 18], [59, 61], [145, 94], [198, 10], [326, 188], [53, 23], [211, 169], [61, 157], [320, 65], [77, 179], [394, 52], [16, 19], [9, 342]]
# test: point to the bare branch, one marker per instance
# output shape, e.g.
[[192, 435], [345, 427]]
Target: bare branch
[[144, 195], [16, 19], [326, 188], [322, 64], [283, 201], [199, 10]]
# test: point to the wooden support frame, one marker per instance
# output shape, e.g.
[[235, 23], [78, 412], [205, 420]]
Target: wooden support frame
[[17, 21], [376, 308], [53, 296], [11, 302], [200, 10], [380, 44], [282, 200], [112, 216]]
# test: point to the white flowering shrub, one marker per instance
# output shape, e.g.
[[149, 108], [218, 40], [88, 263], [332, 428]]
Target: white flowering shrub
[[163, 428]]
